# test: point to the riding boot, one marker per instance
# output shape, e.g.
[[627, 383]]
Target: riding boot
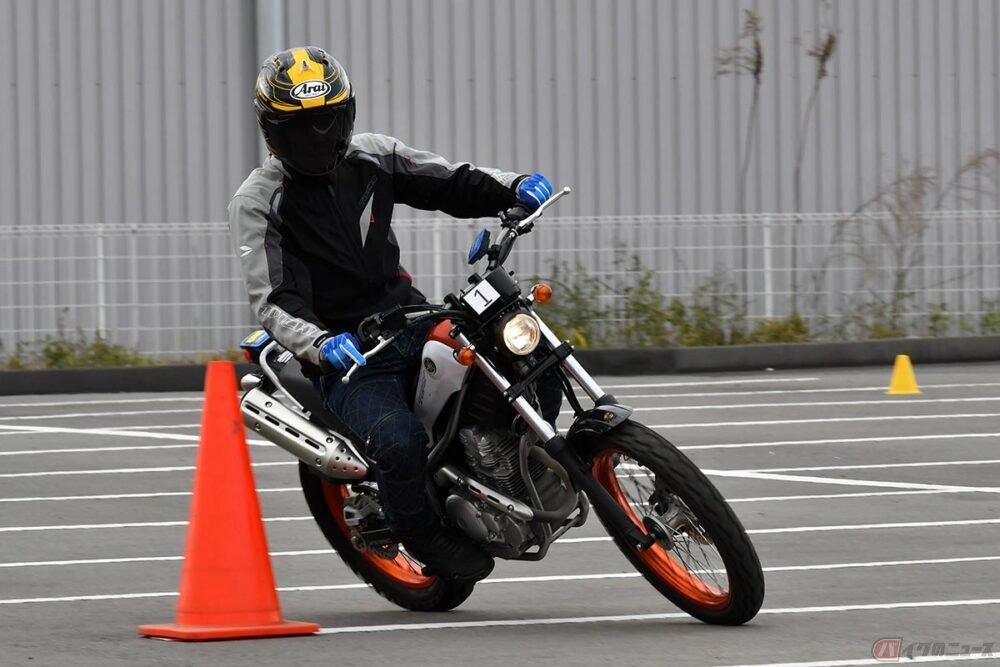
[[449, 556]]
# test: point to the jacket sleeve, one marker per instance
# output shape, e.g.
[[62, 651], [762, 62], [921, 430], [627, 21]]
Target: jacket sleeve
[[427, 181], [270, 279]]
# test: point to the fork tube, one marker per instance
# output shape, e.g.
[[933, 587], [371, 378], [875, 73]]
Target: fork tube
[[541, 427], [572, 366]]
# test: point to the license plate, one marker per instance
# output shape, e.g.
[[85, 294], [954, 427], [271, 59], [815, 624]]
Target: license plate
[[481, 297]]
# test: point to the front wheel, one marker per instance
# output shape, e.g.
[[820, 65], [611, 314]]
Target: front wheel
[[703, 560], [391, 571]]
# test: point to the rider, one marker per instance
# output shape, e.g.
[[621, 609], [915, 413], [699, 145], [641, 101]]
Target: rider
[[312, 228]]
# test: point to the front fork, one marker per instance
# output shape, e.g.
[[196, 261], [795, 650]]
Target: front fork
[[605, 416]]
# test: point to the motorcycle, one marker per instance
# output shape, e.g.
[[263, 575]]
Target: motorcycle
[[499, 474]]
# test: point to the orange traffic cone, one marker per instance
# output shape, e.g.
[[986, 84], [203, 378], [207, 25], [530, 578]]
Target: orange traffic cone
[[227, 586]]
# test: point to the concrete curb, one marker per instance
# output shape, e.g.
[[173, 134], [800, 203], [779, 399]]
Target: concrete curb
[[789, 355], [597, 362], [188, 377]]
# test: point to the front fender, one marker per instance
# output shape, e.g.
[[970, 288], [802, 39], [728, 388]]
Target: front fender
[[598, 421]]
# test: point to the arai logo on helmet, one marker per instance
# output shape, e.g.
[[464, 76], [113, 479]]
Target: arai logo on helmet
[[310, 90]]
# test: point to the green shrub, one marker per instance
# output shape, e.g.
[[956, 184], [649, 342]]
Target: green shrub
[[574, 313], [61, 352], [791, 329], [989, 321]]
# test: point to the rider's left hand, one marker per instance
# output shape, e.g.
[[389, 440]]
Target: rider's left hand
[[533, 191]]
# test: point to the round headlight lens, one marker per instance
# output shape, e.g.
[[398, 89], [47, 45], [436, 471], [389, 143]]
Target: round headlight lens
[[521, 334]]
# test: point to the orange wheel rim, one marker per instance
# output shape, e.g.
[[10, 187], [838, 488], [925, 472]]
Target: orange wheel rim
[[399, 568], [656, 558]]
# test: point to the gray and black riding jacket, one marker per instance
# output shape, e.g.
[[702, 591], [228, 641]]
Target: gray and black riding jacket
[[318, 253]]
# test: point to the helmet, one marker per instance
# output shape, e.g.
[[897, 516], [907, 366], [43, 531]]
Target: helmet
[[305, 108]]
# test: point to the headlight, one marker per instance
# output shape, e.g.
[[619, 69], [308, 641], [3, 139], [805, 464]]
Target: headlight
[[521, 334]]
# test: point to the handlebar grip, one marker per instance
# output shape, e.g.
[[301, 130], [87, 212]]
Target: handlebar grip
[[516, 213]]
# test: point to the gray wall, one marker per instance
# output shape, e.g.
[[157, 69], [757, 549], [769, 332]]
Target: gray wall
[[125, 111], [138, 110], [136, 113]]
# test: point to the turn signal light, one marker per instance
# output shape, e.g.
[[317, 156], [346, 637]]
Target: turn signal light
[[541, 292], [466, 356]]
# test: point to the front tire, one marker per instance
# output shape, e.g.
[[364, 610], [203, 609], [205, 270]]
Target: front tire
[[703, 560], [399, 579]]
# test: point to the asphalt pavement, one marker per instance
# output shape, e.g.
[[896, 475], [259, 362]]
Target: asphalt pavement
[[875, 516]]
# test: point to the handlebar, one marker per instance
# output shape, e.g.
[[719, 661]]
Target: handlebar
[[515, 226], [395, 318], [376, 328], [527, 222]]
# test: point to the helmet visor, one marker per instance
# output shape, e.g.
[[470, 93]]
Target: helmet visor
[[313, 141]]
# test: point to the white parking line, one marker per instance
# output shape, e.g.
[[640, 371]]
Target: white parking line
[[839, 496], [929, 659], [560, 577], [815, 404], [838, 420], [99, 431], [152, 494], [752, 499], [80, 415], [115, 400], [842, 441], [666, 385], [707, 383], [880, 466], [805, 404], [873, 526], [153, 427], [516, 622], [568, 540], [133, 432], [839, 481], [149, 559], [138, 524], [118, 431], [766, 392], [126, 471], [93, 450]]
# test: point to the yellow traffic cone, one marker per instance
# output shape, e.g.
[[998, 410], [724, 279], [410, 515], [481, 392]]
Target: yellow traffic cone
[[903, 381]]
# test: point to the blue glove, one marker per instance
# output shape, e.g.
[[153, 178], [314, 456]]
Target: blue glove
[[533, 191], [342, 351]]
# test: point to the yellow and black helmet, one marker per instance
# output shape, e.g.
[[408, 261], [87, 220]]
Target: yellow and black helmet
[[305, 108]]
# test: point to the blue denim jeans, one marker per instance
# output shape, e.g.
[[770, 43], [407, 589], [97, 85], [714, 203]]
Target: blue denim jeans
[[376, 405]]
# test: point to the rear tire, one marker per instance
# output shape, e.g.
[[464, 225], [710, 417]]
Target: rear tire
[[398, 580], [699, 517]]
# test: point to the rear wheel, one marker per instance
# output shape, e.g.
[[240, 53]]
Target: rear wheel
[[703, 560], [390, 571]]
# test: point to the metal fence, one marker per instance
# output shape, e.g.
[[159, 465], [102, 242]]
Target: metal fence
[[174, 290]]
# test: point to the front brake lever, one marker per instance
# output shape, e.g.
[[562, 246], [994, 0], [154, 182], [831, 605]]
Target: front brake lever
[[382, 344]]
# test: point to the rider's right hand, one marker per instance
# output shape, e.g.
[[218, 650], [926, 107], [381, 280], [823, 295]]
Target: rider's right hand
[[342, 351]]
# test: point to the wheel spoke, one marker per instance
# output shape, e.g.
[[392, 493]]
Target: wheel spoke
[[692, 563]]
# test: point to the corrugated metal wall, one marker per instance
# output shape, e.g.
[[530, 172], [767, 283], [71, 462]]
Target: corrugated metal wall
[[120, 111], [137, 113], [620, 98]]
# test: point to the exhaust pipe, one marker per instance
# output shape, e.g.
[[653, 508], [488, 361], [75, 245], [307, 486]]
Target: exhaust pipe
[[330, 453]]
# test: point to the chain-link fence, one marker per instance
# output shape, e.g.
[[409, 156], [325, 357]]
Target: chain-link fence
[[174, 290]]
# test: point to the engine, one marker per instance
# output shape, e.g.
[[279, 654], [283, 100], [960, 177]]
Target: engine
[[491, 456]]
